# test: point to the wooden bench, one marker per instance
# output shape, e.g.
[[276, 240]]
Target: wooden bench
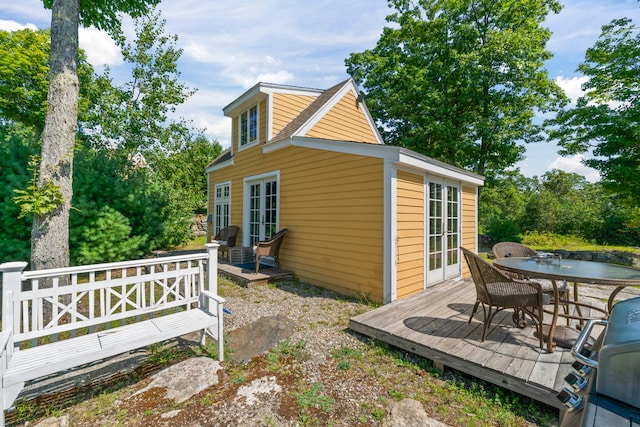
[[58, 319]]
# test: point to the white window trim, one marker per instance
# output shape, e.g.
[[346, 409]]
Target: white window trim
[[256, 141], [215, 202]]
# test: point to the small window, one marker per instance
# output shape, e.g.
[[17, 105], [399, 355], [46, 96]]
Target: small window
[[221, 206], [248, 131]]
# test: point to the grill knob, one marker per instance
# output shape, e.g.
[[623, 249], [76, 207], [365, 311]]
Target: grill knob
[[569, 399], [576, 382], [582, 369]]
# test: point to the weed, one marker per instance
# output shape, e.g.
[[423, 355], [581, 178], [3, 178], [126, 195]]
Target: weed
[[312, 397], [159, 355], [396, 395], [26, 409], [378, 414], [344, 356], [344, 365]]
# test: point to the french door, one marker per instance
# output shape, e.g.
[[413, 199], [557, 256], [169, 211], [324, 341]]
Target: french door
[[443, 231], [261, 209]]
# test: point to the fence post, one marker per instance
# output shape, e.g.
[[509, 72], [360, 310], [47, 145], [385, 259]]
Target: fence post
[[212, 267], [11, 281]]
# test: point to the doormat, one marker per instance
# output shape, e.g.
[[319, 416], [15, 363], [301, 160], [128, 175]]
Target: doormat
[[252, 266]]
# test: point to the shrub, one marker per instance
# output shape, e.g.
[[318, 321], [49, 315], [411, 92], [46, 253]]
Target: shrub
[[106, 238], [503, 230]]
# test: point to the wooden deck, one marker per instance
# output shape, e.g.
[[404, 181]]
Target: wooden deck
[[248, 277], [433, 324]]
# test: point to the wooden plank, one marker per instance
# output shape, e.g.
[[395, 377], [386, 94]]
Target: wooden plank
[[545, 370], [434, 324]]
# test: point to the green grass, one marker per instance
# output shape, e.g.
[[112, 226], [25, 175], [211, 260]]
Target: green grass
[[197, 243], [551, 241]]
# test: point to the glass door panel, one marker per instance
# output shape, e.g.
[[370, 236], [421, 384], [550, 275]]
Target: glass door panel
[[453, 232], [262, 209], [443, 257], [435, 246], [255, 212]]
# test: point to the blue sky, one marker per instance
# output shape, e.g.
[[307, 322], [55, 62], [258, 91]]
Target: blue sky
[[230, 46]]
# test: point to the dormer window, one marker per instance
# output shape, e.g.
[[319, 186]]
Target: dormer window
[[248, 127]]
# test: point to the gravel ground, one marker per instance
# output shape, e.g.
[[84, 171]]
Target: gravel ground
[[325, 375]]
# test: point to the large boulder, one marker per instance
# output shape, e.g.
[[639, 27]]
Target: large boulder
[[258, 337]]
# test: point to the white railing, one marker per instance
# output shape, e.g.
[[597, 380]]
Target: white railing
[[65, 302]]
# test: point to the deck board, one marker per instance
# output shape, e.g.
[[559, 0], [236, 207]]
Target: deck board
[[434, 324]]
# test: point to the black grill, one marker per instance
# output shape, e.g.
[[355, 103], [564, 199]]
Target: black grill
[[604, 388]]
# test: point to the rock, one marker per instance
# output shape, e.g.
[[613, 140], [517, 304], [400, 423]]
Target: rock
[[258, 337], [265, 385], [62, 421], [409, 413], [185, 379], [170, 414]]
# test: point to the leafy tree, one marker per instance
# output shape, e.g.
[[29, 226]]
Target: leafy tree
[[607, 117], [461, 80], [50, 232], [17, 145], [111, 196], [24, 78], [185, 170], [135, 116], [24, 68]]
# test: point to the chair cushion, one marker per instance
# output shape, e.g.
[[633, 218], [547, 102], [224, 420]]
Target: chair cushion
[[547, 286]]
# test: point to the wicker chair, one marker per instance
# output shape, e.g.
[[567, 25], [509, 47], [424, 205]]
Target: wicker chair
[[227, 238], [497, 290], [270, 248], [513, 249]]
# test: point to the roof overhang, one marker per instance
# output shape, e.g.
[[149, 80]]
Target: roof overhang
[[260, 91], [389, 153]]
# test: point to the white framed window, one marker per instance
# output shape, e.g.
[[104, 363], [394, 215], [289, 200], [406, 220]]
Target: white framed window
[[221, 206], [248, 125]]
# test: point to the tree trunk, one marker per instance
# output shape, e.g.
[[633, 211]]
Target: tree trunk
[[50, 233]]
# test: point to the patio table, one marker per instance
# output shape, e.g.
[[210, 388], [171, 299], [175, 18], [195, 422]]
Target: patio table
[[577, 271]]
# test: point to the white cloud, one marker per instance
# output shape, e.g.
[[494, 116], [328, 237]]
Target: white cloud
[[572, 86], [100, 48], [15, 26], [574, 164]]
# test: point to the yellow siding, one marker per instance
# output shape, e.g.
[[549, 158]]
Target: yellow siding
[[344, 122], [469, 223], [335, 219], [410, 237], [287, 107]]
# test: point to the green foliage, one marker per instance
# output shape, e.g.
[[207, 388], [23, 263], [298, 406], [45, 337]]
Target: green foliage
[[24, 78], [560, 203], [605, 118], [107, 237], [184, 170], [312, 397], [38, 199], [503, 230], [17, 145], [461, 81], [107, 14], [551, 240], [135, 116], [24, 68], [147, 209]]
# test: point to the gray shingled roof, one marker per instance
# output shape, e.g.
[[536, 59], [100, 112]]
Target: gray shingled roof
[[223, 157]]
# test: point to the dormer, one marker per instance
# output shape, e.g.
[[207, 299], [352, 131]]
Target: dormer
[[264, 110]]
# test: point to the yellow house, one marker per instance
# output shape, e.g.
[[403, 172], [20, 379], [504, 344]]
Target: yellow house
[[364, 218]]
